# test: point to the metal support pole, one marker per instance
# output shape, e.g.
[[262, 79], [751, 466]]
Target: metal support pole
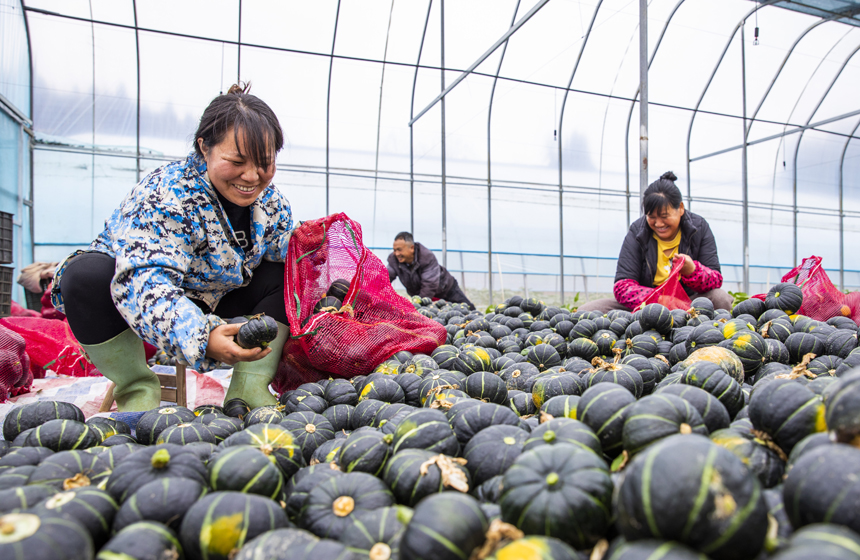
[[841, 209], [643, 96], [744, 169], [137, 125], [239, 47], [328, 111], [444, 185]]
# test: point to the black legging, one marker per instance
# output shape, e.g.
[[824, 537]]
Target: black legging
[[94, 319]]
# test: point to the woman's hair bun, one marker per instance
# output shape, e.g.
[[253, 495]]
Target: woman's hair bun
[[239, 88], [669, 176]]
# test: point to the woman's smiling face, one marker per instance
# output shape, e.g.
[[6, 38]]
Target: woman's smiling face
[[665, 221], [233, 173]]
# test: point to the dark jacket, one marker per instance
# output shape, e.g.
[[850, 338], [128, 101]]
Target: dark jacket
[[424, 276], [638, 258]]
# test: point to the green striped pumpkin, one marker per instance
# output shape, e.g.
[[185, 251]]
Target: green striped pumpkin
[[486, 386], [26, 536], [446, 526], [152, 423], [820, 487], [273, 544], [535, 547], [559, 491], [244, 468], [329, 508], [655, 417], [183, 434], [786, 411], [564, 431], [162, 461], [165, 500], [492, 450], [221, 427], [23, 497], [71, 469], [340, 416], [275, 441], [821, 541], [365, 450], [91, 507], [688, 489], [263, 415], [561, 406], [712, 411], [425, 429], [468, 418], [309, 431], [713, 379], [144, 539], [306, 479], [758, 458], [549, 385], [843, 408], [220, 523], [236, 408], [63, 435], [403, 476], [33, 415], [602, 408], [651, 548], [377, 533], [24, 456]]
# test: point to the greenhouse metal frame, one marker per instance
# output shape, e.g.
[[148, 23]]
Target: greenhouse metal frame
[[406, 87]]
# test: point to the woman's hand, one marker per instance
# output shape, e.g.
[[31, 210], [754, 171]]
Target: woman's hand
[[222, 346], [689, 264]]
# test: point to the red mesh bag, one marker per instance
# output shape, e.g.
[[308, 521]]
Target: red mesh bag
[[15, 375], [51, 345], [670, 293], [821, 299], [373, 323]]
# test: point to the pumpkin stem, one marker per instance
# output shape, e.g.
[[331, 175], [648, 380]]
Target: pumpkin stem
[[545, 417], [799, 369], [499, 534], [452, 477], [599, 550], [769, 443], [549, 436], [77, 481], [343, 506], [686, 429], [310, 428], [160, 459], [765, 328], [552, 479], [380, 551]]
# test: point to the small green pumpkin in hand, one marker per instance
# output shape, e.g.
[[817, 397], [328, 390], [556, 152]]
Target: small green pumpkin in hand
[[257, 332]]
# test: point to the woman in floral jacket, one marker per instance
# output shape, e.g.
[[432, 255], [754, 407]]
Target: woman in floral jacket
[[194, 243]]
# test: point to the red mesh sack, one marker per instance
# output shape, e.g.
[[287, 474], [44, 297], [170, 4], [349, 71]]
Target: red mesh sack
[[15, 375], [373, 323], [821, 299], [51, 345], [670, 293]]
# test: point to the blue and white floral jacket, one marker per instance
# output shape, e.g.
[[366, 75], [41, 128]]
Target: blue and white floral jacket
[[171, 238]]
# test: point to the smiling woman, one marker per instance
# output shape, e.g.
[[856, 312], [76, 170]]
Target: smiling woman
[[195, 242], [664, 235]]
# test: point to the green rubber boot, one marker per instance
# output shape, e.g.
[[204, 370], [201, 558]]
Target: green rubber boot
[[250, 381], [122, 359]]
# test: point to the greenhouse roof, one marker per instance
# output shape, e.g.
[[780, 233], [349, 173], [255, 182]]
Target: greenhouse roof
[[844, 11]]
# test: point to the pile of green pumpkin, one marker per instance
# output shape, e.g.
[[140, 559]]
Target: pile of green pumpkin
[[534, 433]]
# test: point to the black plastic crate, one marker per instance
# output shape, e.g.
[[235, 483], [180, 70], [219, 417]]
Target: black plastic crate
[[6, 290], [34, 299], [5, 238]]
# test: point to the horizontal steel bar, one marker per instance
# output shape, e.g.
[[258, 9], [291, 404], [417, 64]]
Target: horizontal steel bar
[[781, 135]]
